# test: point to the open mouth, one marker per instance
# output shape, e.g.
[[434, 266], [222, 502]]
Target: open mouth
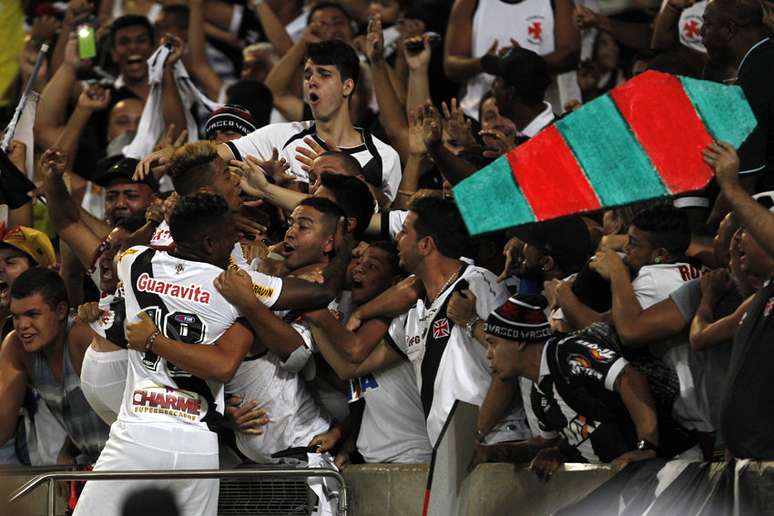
[[286, 249], [314, 98], [357, 284], [135, 61]]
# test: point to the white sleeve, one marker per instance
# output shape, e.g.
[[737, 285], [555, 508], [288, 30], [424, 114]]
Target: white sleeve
[[391, 173], [395, 222], [259, 143], [267, 288], [645, 290], [300, 356], [396, 335]]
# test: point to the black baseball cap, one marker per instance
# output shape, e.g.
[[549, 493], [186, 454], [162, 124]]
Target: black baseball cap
[[522, 69], [115, 168], [566, 240]]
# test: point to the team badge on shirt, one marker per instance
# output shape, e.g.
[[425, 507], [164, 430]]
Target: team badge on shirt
[[692, 28], [441, 328], [535, 30]]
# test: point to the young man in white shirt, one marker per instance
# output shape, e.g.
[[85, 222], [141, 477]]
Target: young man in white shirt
[[331, 72]]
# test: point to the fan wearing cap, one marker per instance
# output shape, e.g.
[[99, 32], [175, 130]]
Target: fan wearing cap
[[228, 123], [21, 249], [588, 400]]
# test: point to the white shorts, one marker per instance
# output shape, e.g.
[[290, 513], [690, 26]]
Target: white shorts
[[103, 377], [133, 446], [294, 417]]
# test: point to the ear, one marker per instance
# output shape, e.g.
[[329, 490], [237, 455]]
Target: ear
[[328, 246], [426, 245], [62, 310], [208, 245], [351, 224], [348, 87], [547, 262]]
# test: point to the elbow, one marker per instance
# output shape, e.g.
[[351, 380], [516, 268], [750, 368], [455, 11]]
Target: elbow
[[631, 336], [225, 371], [452, 71]]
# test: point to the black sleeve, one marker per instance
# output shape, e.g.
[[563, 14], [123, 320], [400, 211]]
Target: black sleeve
[[593, 362]]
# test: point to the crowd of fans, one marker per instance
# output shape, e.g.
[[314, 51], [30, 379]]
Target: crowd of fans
[[231, 232]]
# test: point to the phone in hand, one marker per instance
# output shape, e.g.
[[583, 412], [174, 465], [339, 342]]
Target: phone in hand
[[415, 47], [87, 42]]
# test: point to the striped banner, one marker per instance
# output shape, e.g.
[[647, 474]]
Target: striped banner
[[641, 141]]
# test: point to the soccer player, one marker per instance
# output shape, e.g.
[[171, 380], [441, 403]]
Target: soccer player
[[331, 73]]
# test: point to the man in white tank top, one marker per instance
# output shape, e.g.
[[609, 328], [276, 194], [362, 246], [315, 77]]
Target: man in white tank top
[[477, 28]]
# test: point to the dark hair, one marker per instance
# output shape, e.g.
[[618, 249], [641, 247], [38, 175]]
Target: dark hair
[[336, 53], [324, 206], [253, 96], [353, 197], [441, 220], [190, 167], [129, 20], [349, 165], [178, 10], [195, 215], [132, 223], [668, 226], [326, 5], [150, 501], [393, 258], [41, 281]]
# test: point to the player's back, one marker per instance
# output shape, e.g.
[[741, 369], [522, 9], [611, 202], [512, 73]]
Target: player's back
[[180, 297]]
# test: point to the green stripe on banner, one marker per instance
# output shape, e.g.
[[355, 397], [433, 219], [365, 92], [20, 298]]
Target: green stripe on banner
[[724, 109], [490, 200], [617, 167]]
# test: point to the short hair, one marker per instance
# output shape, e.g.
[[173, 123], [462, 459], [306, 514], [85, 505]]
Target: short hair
[[669, 227], [441, 220], [393, 255], [349, 165], [129, 20], [41, 281], [190, 167], [336, 53], [324, 206], [326, 5], [195, 215], [353, 197], [255, 97], [742, 12]]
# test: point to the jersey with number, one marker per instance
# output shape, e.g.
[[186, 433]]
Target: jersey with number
[[380, 162], [393, 428], [162, 240], [450, 365], [180, 297]]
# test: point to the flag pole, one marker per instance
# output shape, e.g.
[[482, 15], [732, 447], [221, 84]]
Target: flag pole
[[8, 136]]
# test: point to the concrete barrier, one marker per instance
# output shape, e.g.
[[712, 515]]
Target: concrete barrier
[[490, 490]]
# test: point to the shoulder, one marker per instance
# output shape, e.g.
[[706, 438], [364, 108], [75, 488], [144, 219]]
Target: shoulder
[[385, 149], [130, 254], [484, 281], [11, 352]]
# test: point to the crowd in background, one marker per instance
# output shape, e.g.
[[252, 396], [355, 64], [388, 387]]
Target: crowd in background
[[229, 230]]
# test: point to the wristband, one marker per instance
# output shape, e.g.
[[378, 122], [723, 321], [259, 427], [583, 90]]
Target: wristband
[[643, 445], [151, 340]]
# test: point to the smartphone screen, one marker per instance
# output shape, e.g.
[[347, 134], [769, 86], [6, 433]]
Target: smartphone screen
[[87, 42]]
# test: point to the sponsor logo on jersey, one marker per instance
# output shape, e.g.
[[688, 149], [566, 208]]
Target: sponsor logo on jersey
[[535, 30], [106, 318], [688, 272], [769, 307], [580, 366], [161, 237], [599, 354], [579, 429], [441, 328], [262, 290], [192, 292], [167, 401], [128, 252]]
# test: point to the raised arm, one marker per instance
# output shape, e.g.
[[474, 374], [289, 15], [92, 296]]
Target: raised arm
[[217, 362], [566, 52], [197, 47], [13, 385], [275, 32], [93, 98], [458, 61], [171, 103], [52, 108], [633, 35], [279, 81]]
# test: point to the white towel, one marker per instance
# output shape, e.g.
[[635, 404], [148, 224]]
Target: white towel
[[151, 124]]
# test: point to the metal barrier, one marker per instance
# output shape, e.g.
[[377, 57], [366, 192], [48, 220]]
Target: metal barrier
[[52, 478]]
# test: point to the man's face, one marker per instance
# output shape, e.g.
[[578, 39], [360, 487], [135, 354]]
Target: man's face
[[324, 90], [107, 264], [326, 164], [408, 244], [225, 136], [639, 250], [308, 239], [123, 200], [334, 24], [36, 323], [715, 33], [371, 275], [753, 260], [12, 263], [503, 357], [530, 263], [131, 49], [389, 10], [124, 118], [225, 184]]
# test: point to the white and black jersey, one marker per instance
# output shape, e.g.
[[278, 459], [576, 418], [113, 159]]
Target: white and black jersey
[[380, 162], [577, 399], [162, 241], [180, 297], [393, 428], [449, 364]]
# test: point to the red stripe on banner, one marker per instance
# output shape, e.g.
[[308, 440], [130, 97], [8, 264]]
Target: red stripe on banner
[[550, 178], [674, 142]]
